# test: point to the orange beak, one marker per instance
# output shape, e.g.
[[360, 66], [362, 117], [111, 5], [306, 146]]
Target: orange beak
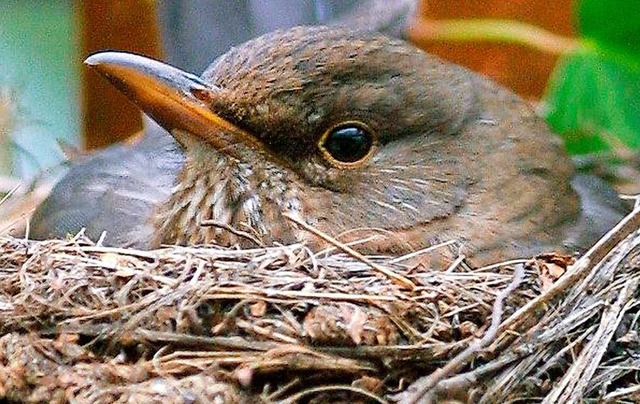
[[174, 99]]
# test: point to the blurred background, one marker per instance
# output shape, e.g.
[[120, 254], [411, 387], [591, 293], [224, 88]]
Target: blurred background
[[577, 61]]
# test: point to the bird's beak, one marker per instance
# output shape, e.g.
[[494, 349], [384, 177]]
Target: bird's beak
[[173, 98]]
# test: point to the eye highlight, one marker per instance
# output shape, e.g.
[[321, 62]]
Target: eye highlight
[[347, 143]]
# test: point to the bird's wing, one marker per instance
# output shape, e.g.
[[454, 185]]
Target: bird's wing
[[601, 209], [114, 190]]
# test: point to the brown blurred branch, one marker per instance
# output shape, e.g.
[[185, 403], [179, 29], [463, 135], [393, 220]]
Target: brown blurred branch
[[128, 25]]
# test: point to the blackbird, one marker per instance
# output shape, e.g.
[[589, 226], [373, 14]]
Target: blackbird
[[350, 132]]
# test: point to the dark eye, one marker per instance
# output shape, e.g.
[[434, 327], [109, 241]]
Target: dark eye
[[348, 143]]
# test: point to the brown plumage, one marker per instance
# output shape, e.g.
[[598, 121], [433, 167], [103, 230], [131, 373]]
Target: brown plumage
[[344, 131]]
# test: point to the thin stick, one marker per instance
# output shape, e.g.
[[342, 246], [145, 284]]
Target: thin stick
[[571, 387], [297, 397], [329, 250], [455, 263], [634, 198], [396, 278], [616, 395], [328, 295], [230, 229], [147, 255], [10, 193], [430, 383], [501, 264], [283, 390], [423, 251], [627, 225]]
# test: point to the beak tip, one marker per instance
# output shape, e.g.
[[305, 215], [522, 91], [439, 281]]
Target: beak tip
[[113, 58], [97, 59]]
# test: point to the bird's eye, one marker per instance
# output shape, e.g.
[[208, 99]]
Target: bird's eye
[[347, 143]]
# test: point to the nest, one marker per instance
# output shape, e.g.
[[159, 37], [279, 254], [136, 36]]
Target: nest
[[85, 323]]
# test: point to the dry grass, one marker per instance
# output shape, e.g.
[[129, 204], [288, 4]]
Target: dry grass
[[86, 323]]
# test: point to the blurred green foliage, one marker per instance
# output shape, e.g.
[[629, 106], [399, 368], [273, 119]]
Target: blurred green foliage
[[593, 98], [611, 24]]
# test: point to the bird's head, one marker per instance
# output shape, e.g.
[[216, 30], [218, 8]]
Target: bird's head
[[333, 104], [364, 125]]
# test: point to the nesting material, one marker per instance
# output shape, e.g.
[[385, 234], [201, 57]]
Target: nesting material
[[86, 323]]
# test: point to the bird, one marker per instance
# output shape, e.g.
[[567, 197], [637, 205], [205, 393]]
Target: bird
[[349, 132]]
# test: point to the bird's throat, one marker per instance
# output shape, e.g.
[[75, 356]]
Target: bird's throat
[[215, 193]]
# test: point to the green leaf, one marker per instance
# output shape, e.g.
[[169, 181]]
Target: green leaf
[[593, 101], [612, 24], [593, 98]]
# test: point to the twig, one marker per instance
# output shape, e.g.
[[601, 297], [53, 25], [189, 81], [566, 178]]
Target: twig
[[615, 396], [296, 398], [282, 390], [249, 327], [231, 229], [577, 378], [397, 278], [180, 339], [423, 251], [455, 263], [465, 381], [579, 269], [501, 264], [327, 251], [10, 193], [569, 315], [9, 185], [634, 198], [556, 357], [223, 293], [429, 385]]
